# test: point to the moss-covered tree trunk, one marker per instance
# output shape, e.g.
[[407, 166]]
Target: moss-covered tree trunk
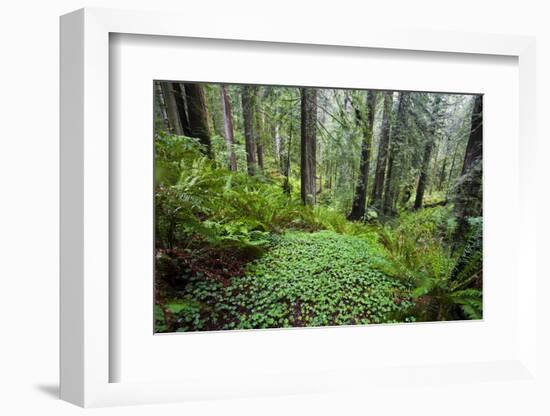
[[258, 128], [171, 107], [179, 96], [475, 140], [383, 149], [395, 158], [286, 183], [365, 118], [308, 145], [247, 98], [428, 150], [442, 174], [468, 198], [278, 150], [198, 116], [422, 180], [161, 118], [228, 128]]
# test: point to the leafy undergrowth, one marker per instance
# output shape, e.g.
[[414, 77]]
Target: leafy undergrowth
[[447, 285], [304, 279], [235, 251]]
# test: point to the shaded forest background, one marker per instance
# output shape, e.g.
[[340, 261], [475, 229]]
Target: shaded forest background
[[285, 206]]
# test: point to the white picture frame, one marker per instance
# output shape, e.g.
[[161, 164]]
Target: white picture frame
[[86, 355]]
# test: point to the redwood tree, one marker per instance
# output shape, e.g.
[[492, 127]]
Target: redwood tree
[[171, 107], [395, 159], [198, 115], [308, 145], [179, 96], [383, 149], [160, 108], [468, 199], [247, 97], [365, 118], [228, 128], [428, 149], [258, 128]]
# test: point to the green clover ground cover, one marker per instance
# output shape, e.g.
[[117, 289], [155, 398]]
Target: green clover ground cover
[[304, 279]]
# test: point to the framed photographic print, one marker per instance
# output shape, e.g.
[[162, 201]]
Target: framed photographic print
[[308, 205], [372, 214]]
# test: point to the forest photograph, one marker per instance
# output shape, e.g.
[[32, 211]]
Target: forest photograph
[[284, 207]]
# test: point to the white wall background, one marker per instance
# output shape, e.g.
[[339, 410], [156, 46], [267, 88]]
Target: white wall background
[[29, 187]]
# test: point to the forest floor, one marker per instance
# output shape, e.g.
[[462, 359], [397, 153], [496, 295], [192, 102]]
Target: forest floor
[[303, 279]]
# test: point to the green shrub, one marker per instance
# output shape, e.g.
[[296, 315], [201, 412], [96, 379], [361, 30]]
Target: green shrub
[[415, 251]]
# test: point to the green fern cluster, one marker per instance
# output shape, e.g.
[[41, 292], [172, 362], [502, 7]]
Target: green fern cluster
[[207, 202], [416, 252]]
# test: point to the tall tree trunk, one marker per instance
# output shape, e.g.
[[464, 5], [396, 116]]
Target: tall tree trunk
[[171, 108], [228, 128], [366, 122], [428, 150], [473, 148], [198, 116], [431, 179], [383, 149], [330, 176], [388, 188], [452, 168], [215, 111], [247, 97], [286, 184], [442, 174], [179, 95], [423, 173], [468, 199], [160, 107], [308, 145], [278, 143], [258, 129], [395, 154], [260, 151]]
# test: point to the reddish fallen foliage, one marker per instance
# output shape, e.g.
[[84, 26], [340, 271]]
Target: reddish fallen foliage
[[174, 265]]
